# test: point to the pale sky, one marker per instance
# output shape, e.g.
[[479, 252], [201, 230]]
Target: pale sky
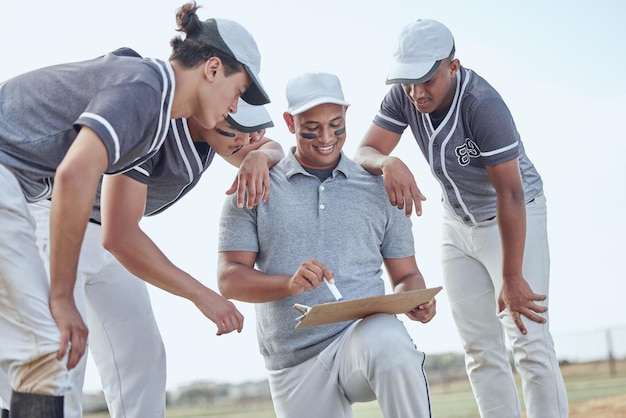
[[558, 65]]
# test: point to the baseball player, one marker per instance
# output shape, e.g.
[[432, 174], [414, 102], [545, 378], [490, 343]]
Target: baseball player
[[66, 125], [495, 249], [116, 303]]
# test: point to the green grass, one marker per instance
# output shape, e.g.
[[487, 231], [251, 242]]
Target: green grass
[[584, 382], [587, 381]]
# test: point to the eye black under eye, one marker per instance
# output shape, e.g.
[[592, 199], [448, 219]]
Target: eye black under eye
[[307, 135], [340, 131], [224, 133]]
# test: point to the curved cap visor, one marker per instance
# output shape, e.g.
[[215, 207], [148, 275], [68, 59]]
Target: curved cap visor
[[420, 48], [249, 118], [255, 94], [421, 73], [233, 39], [312, 89]]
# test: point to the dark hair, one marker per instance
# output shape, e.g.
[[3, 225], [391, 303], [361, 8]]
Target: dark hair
[[190, 52]]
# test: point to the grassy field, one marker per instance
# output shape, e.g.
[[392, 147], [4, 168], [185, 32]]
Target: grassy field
[[593, 391]]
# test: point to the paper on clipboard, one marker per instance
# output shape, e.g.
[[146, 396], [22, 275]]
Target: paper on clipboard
[[347, 310]]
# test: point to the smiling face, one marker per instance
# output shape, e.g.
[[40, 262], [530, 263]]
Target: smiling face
[[320, 135], [217, 94], [435, 95]]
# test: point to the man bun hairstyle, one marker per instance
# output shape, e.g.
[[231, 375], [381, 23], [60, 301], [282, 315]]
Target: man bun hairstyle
[[191, 52]]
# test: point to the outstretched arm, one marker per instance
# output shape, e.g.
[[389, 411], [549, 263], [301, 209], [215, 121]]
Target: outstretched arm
[[123, 202], [254, 161], [374, 155], [516, 294]]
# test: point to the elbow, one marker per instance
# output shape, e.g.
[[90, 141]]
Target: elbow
[[359, 155], [226, 287], [222, 283], [280, 153], [114, 243], [224, 280], [235, 275], [110, 244], [514, 196], [123, 251], [68, 176]]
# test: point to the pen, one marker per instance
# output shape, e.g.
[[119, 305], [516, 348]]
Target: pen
[[301, 308], [333, 289]]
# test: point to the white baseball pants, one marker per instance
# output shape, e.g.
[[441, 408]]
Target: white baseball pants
[[29, 336], [472, 275], [124, 339], [373, 359]]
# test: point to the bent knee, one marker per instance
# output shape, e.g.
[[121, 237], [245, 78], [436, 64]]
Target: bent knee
[[382, 332]]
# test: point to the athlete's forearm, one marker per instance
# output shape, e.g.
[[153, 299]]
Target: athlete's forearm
[[404, 274], [371, 159], [374, 150], [273, 151], [266, 148], [142, 257], [239, 280], [511, 215], [69, 214]]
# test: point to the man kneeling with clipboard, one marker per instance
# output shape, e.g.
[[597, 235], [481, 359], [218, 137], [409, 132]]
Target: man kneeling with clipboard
[[327, 218]]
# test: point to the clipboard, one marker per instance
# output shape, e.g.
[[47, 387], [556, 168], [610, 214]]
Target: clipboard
[[347, 310]]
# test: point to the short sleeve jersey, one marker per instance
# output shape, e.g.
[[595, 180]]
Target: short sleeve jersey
[[345, 222], [125, 100], [172, 172], [478, 131]]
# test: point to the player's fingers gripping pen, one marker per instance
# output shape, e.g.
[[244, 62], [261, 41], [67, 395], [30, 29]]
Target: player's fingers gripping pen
[[333, 289]]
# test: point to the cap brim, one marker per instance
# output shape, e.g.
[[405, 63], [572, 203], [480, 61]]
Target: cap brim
[[255, 94], [316, 102], [248, 129], [412, 73], [250, 118]]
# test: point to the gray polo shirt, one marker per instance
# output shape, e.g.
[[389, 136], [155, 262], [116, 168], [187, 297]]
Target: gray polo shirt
[[477, 131], [346, 222], [125, 100]]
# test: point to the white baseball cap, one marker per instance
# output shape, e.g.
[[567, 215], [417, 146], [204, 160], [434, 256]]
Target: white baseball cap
[[421, 47], [311, 89], [232, 38], [249, 118]]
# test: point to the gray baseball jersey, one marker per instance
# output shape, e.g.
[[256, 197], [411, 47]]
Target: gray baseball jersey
[[345, 222], [125, 100], [172, 172], [477, 131]]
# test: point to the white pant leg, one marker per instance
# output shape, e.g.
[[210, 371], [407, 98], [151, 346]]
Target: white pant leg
[[373, 359], [30, 336], [125, 341], [73, 402], [534, 354], [308, 390], [378, 355], [472, 296], [123, 336], [5, 390], [535, 358]]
